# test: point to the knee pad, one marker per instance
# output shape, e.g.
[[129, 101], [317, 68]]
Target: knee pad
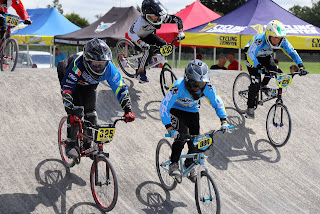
[[92, 117]]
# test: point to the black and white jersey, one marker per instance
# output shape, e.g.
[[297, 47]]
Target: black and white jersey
[[142, 28]]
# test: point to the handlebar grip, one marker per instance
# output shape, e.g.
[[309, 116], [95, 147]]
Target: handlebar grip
[[167, 135]]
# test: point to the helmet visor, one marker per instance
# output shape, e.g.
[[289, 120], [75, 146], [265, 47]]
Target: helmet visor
[[98, 66]]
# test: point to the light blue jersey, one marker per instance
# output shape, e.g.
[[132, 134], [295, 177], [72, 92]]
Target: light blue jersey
[[179, 98], [258, 47]]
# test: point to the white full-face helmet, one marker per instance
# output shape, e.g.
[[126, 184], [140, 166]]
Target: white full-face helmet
[[276, 29]]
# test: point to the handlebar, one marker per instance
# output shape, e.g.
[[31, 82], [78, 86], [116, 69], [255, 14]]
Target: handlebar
[[89, 124], [188, 137]]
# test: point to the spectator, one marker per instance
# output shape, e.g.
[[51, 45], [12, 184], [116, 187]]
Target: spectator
[[59, 56], [199, 56], [294, 68], [234, 64], [220, 65]]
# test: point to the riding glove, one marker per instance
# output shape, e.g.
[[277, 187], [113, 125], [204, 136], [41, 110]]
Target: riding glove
[[303, 71], [225, 127], [181, 35], [27, 22], [173, 133], [129, 116]]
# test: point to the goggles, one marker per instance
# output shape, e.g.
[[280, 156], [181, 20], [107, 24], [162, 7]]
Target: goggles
[[194, 84], [96, 65], [158, 21]]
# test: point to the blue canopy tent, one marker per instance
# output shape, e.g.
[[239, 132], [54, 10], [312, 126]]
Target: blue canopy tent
[[46, 23]]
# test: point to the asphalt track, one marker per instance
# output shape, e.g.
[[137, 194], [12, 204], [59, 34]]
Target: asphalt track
[[252, 176]]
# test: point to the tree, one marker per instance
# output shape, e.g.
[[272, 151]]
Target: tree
[[138, 8], [98, 16], [311, 15], [223, 6], [77, 20], [57, 5]]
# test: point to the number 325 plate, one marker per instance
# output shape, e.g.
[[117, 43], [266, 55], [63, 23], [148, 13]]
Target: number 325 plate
[[105, 134]]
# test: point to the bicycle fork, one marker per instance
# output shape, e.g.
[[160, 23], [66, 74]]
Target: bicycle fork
[[202, 168], [96, 173]]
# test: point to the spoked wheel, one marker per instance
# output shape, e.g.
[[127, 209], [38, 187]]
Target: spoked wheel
[[62, 138], [9, 55], [128, 57], [278, 125], [167, 78], [104, 184], [207, 195], [240, 92], [163, 153]]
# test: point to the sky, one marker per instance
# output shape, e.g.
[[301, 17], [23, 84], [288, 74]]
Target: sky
[[88, 9]]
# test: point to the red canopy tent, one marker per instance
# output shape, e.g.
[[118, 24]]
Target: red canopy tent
[[192, 16]]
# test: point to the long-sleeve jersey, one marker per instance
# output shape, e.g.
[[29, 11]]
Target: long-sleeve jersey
[[178, 97], [142, 28], [76, 75], [258, 47], [17, 5]]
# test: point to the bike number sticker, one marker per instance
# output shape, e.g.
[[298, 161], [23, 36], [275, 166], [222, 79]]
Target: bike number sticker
[[105, 134], [284, 81], [12, 21], [204, 143], [166, 50]]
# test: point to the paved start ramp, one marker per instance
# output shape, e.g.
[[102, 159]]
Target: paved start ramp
[[251, 175]]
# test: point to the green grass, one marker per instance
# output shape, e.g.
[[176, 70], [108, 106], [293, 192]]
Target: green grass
[[312, 67]]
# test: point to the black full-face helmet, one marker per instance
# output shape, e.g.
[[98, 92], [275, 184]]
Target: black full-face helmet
[[96, 56], [153, 8], [196, 76]]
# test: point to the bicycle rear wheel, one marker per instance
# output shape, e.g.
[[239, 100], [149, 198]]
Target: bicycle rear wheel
[[207, 195], [278, 125], [9, 55], [240, 92], [167, 78], [62, 138], [163, 153], [128, 62], [104, 183]]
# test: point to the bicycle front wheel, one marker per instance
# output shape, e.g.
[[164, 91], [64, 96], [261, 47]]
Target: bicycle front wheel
[[163, 153], [62, 138], [207, 195], [127, 57], [278, 125], [104, 183], [167, 78], [9, 55], [240, 92]]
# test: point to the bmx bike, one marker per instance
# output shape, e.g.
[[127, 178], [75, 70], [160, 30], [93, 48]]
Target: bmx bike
[[131, 55]]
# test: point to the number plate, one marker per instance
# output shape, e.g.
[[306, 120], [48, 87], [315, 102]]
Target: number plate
[[105, 134], [166, 50], [12, 21], [203, 143], [284, 81]]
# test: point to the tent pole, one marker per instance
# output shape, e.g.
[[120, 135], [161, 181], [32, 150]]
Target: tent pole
[[28, 61], [54, 55], [239, 64], [173, 55], [179, 55], [194, 52], [77, 49], [214, 55]]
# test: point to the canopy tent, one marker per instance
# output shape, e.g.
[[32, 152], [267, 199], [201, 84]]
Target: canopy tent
[[192, 16], [111, 27], [236, 28], [46, 23]]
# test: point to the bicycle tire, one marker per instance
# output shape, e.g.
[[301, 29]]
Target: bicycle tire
[[9, 55], [240, 91], [278, 125], [208, 194], [62, 138], [128, 49], [168, 182], [106, 188], [167, 78]]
